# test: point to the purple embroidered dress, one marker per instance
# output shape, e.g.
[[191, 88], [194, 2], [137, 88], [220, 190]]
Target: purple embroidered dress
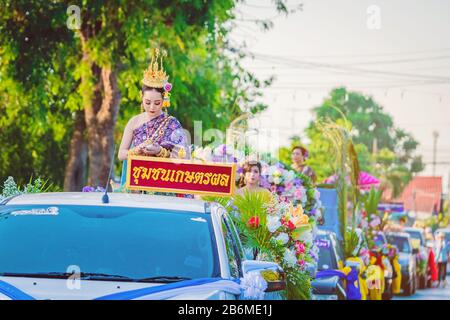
[[165, 131]]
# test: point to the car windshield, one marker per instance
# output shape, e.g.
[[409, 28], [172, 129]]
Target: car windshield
[[327, 259], [417, 236], [134, 243], [401, 243]]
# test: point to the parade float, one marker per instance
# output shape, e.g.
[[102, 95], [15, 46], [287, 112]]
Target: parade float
[[277, 226]]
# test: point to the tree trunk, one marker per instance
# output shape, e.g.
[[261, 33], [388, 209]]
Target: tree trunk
[[75, 173], [101, 98], [100, 122]]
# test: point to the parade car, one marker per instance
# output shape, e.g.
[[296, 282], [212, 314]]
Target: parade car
[[418, 242], [330, 258], [72, 246], [407, 260]]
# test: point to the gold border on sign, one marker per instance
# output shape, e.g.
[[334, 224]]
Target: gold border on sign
[[181, 161]]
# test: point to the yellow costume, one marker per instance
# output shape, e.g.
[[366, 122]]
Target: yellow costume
[[397, 281]]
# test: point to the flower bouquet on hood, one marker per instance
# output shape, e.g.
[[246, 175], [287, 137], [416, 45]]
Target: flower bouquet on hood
[[296, 187], [280, 232]]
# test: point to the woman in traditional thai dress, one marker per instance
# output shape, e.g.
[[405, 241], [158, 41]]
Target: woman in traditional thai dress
[[153, 132], [299, 155]]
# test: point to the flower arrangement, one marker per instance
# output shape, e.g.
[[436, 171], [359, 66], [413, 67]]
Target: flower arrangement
[[281, 232]]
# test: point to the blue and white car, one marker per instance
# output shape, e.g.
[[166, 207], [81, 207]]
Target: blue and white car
[[72, 246]]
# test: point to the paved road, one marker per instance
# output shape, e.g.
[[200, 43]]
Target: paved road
[[429, 294]]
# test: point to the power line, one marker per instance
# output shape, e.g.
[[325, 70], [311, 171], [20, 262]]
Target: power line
[[333, 67]]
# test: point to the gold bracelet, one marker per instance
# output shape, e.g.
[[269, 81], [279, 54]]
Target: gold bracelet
[[132, 152], [161, 153], [164, 153]]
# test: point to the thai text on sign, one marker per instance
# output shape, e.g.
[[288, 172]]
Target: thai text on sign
[[180, 176]]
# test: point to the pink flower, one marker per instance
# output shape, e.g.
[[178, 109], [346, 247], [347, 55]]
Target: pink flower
[[301, 263], [299, 247], [168, 86]]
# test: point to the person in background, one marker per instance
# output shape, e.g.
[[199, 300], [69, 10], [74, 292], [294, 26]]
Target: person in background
[[442, 255], [298, 156], [251, 178]]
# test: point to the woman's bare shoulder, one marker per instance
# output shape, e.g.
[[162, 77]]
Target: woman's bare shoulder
[[136, 121]]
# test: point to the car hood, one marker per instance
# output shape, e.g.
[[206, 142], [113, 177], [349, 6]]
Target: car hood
[[57, 289], [326, 285]]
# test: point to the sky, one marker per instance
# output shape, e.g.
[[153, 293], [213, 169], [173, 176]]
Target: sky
[[396, 51]]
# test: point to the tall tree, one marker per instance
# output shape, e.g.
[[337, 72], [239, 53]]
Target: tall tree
[[373, 130], [67, 80]]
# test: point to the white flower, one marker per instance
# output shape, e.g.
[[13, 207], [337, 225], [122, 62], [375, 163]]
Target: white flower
[[317, 195], [283, 237], [253, 285], [290, 257], [273, 223], [289, 176], [276, 180]]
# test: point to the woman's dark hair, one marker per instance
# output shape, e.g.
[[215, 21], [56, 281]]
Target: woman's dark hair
[[147, 88], [248, 165], [303, 150]]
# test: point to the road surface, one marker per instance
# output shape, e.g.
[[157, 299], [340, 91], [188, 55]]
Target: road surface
[[429, 294]]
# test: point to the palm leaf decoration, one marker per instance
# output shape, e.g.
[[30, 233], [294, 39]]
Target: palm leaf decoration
[[345, 164]]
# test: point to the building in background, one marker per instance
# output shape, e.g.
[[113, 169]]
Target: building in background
[[422, 197]]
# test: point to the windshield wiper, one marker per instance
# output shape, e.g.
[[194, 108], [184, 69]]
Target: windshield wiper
[[165, 279], [66, 275]]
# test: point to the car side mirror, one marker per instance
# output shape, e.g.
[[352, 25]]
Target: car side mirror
[[273, 285]]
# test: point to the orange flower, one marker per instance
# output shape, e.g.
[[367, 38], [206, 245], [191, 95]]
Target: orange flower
[[298, 216]]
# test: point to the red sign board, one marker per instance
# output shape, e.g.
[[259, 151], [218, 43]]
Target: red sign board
[[180, 176]]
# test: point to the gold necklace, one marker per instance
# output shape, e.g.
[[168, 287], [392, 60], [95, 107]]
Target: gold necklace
[[158, 132]]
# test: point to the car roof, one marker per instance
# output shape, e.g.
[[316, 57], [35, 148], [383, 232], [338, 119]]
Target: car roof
[[445, 230], [406, 229], [398, 234], [115, 199]]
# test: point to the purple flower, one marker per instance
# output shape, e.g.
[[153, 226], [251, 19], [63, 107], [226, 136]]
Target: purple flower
[[168, 86], [88, 189], [264, 183], [298, 182], [240, 170], [280, 189], [279, 165]]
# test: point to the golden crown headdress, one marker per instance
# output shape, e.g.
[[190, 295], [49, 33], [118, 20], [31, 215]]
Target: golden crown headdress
[[154, 75]]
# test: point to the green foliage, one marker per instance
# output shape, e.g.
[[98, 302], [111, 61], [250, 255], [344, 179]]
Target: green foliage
[[351, 241], [45, 73], [249, 205], [370, 126], [10, 188], [371, 201]]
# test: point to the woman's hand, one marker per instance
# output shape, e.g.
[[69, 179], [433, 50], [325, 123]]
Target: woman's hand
[[151, 150]]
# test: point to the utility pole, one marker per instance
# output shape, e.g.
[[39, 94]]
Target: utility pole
[[435, 137], [448, 196]]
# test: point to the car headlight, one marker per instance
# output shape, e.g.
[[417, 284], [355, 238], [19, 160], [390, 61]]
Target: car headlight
[[324, 297]]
